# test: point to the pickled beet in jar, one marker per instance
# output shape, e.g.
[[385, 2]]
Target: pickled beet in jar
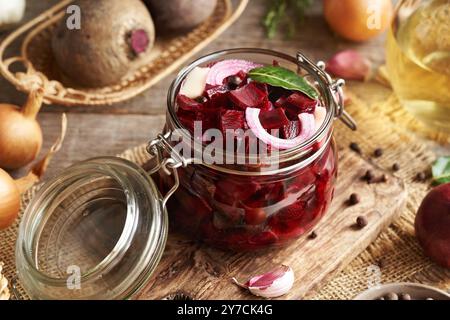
[[252, 205], [98, 229]]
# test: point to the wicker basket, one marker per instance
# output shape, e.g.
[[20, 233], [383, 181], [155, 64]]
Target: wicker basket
[[35, 67]]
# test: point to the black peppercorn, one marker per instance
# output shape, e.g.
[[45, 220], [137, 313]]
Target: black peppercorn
[[355, 147], [378, 152], [201, 99], [369, 176], [421, 176], [361, 222], [234, 82], [354, 199], [382, 263], [313, 235]]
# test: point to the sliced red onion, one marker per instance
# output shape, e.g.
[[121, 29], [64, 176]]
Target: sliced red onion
[[271, 284], [308, 126], [223, 69]]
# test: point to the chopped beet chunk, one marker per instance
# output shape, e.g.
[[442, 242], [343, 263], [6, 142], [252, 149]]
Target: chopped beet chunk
[[232, 119], [280, 102], [224, 106], [188, 104], [302, 102], [273, 119], [251, 95]]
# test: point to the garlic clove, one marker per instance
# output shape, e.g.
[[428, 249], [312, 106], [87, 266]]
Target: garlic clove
[[195, 83], [272, 284], [349, 65], [4, 291], [319, 115]]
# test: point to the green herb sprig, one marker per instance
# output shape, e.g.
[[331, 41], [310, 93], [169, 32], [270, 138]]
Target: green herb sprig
[[441, 171], [285, 13]]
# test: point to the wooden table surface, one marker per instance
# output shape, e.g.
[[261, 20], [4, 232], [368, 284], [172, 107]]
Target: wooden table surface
[[97, 131]]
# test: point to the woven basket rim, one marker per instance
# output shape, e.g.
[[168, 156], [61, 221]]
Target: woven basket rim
[[131, 86]]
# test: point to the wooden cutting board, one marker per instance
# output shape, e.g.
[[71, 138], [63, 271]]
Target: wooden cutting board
[[192, 270]]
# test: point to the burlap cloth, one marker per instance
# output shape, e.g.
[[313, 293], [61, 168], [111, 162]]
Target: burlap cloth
[[382, 123]]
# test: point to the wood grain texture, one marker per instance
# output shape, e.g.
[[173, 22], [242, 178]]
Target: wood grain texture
[[201, 272]]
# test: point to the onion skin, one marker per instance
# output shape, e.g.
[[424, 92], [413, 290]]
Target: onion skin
[[20, 133], [9, 200], [349, 18]]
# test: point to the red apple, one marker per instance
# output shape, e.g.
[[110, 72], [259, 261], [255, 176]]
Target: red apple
[[433, 225]]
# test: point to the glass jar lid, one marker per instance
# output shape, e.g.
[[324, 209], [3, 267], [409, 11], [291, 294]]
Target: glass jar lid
[[96, 231]]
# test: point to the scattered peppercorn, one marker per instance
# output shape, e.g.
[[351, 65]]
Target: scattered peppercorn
[[384, 178], [395, 167], [313, 235], [391, 296], [354, 199], [404, 296], [355, 147], [382, 263], [421, 177], [378, 152], [361, 222], [369, 176]]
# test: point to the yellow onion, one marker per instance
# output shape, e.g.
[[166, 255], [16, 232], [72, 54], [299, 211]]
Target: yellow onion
[[20, 133], [358, 20], [9, 200], [11, 189]]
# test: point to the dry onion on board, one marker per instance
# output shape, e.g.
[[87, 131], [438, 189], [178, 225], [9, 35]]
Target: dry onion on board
[[20, 133], [10, 189]]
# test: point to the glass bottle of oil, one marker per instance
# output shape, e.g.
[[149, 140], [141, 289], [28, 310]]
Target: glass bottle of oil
[[418, 59]]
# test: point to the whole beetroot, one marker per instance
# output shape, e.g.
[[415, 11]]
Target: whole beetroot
[[115, 37], [180, 15], [433, 225]]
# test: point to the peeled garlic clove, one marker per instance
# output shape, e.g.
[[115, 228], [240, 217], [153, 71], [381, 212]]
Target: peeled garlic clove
[[319, 116], [272, 284], [195, 83], [349, 65]]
